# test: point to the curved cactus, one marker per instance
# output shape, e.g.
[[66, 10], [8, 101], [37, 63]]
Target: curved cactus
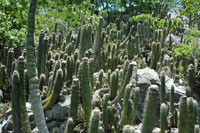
[[75, 99], [32, 72], [150, 109], [56, 90], [94, 121]]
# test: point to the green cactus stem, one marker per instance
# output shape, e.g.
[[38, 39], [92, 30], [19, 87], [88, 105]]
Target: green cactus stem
[[15, 101], [9, 62], [163, 91], [75, 99], [150, 109], [94, 121], [114, 85], [163, 118], [70, 126], [56, 90], [128, 129], [183, 116], [172, 108], [191, 76], [42, 81]]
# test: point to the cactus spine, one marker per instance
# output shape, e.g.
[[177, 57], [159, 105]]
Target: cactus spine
[[75, 97], [94, 121], [150, 109]]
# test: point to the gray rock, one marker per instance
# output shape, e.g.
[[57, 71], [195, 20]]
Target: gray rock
[[7, 125], [35, 130], [174, 130], [59, 111]]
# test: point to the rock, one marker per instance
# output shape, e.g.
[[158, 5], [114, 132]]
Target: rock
[[59, 111], [175, 39], [174, 130], [1, 95], [7, 125], [99, 92], [35, 130]]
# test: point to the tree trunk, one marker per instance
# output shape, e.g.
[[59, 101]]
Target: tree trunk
[[36, 103]]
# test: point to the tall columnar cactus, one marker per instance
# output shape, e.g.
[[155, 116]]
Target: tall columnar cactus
[[15, 101], [104, 107], [2, 74], [183, 116], [114, 85], [75, 99], [69, 72], [56, 90], [126, 80], [24, 121], [91, 62], [70, 126], [136, 102], [94, 121], [5, 52], [163, 118], [44, 54], [97, 42], [155, 55], [191, 76], [85, 89], [125, 108], [163, 91], [108, 114], [39, 54], [42, 81], [150, 109], [172, 108], [101, 72], [9, 62], [192, 116], [128, 129], [32, 72]]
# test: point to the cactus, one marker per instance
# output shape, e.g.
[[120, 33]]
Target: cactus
[[126, 81], [94, 121], [24, 121], [183, 116], [70, 126], [191, 76], [56, 90], [9, 62], [163, 118], [114, 85], [15, 101], [125, 108], [196, 129], [108, 114], [85, 89], [42, 81], [44, 54], [192, 115], [150, 109], [105, 104], [2, 74], [5, 52], [128, 129], [155, 55], [75, 99], [101, 72], [69, 72], [101, 130], [163, 91], [56, 130], [136, 102], [39, 55], [172, 108]]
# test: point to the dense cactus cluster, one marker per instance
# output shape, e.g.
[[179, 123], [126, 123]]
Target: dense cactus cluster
[[68, 63]]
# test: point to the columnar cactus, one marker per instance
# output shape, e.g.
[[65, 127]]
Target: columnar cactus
[[5, 52], [183, 116], [125, 108], [172, 108], [42, 81], [2, 74], [44, 54], [126, 80], [155, 55], [70, 126], [101, 72], [36, 103], [75, 99], [192, 116], [163, 91], [15, 101], [128, 129], [85, 89], [9, 62], [39, 54], [191, 76], [104, 107], [136, 102], [150, 109], [114, 85], [163, 118], [94, 121], [24, 121], [56, 90]]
